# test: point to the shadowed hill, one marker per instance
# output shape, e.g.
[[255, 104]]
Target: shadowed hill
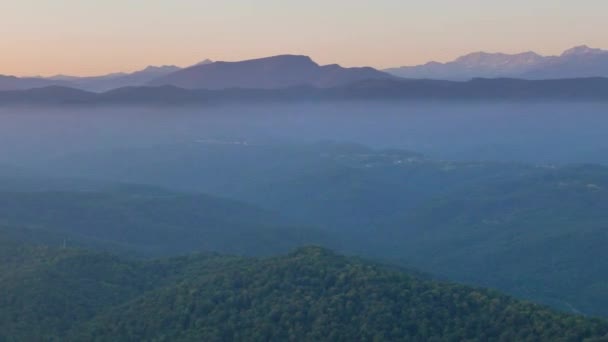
[[367, 89], [267, 73], [148, 222]]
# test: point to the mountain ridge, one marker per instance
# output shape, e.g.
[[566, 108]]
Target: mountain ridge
[[283, 71], [478, 89]]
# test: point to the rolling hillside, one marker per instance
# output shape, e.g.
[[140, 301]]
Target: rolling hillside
[[310, 294], [149, 222]]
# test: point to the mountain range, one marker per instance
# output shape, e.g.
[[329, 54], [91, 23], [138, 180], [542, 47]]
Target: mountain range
[[278, 76], [264, 73], [290, 71], [580, 61], [100, 83]]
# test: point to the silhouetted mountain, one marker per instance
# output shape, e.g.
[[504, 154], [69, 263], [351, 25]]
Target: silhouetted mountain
[[267, 73], [577, 62]]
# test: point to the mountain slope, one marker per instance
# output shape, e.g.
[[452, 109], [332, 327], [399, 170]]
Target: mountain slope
[[45, 291], [266, 73]]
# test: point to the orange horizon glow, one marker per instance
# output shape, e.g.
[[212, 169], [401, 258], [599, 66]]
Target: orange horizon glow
[[85, 37]]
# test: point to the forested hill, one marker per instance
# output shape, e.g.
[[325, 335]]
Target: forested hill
[[308, 295]]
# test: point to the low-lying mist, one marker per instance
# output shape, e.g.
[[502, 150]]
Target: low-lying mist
[[428, 186], [523, 131]]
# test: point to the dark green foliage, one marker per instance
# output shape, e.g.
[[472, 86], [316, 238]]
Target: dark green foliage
[[45, 291], [314, 295], [309, 295]]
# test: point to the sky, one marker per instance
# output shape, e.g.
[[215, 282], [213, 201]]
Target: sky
[[90, 37]]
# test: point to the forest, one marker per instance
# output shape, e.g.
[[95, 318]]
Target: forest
[[310, 294]]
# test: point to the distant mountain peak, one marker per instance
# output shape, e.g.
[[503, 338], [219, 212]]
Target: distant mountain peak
[[583, 50], [159, 68], [577, 62], [476, 55], [433, 63], [204, 62], [263, 62], [285, 58], [486, 58]]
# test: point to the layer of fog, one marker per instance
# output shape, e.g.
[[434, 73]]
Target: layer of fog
[[528, 132]]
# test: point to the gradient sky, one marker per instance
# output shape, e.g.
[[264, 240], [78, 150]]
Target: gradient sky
[[87, 37]]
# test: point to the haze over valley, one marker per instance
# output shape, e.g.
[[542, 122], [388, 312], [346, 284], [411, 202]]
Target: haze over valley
[[229, 172]]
